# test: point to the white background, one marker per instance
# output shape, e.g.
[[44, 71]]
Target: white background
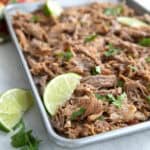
[[12, 76]]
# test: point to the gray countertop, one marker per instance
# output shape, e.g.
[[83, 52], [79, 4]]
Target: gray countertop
[[12, 76]]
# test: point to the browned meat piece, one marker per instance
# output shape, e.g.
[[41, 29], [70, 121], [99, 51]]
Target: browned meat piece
[[35, 30], [22, 39], [116, 91], [101, 81]]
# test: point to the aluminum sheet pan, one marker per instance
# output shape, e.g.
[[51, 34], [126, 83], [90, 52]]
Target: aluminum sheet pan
[[58, 139]]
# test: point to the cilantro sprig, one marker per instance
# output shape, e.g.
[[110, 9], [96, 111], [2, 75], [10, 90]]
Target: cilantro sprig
[[66, 55], [95, 70], [24, 139], [114, 11], [145, 42], [77, 113], [111, 51], [90, 38], [147, 59], [34, 18], [117, 101]]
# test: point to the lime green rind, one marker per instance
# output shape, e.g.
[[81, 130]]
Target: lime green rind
[[52, 8], [133, 22], [59, 90], [13, 104]]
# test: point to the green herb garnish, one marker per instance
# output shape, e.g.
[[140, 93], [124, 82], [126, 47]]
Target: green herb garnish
[[114, 11], [120, 83], [145, 42], [147, 59], [96, 70], [66, 55], [117, 101], [111, 51], [133, 68], [77, 113], [148, 99], [24, 140], [34, 18], [100, 97], [101, 118], [90, 38]]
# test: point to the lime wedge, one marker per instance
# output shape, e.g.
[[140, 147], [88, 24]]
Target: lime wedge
[[132, 22], [13, 104], [21, 100], [9, 121], [59, 90], [52, 8]]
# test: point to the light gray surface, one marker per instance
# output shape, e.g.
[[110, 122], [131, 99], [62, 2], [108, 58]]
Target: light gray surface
[[12, 76]]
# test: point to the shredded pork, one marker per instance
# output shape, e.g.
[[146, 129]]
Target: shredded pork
[[79, 41]]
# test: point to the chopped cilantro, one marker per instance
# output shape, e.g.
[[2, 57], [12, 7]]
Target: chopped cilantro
[[24, 140], [100, 97], [34, 18], [77, 113], [148, 99], [118, 100], [66, 55], [120, 83], [101, 118], [114, 11], [90, 38], [96, 70], [147, 59], [111, 51], [133, 68], [145, 42]]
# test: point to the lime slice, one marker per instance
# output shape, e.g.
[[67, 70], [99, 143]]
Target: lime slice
[[132, 22], [13, 104], [52, 8], [21, 100], [59, 90], [9, 121]]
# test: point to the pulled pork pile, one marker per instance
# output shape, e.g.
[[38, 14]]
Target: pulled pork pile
[[115, 87]]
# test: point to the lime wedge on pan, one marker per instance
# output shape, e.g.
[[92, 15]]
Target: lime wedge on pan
[[52, 8], [132, 22], [59, 90], [13, 104]]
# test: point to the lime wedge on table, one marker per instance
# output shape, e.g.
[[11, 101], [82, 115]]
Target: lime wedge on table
[[59, 90], [52, 8], [132, 22], [13, 104]]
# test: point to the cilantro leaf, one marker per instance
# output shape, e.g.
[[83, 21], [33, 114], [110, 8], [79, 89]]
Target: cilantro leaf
[[147, 59], [25, 140], [145, 42], [77, 113], [114, 11], [118, 100], [133, 68], [66, 55], [96, 70], [101, 118], [34, 18], [111, 51], [148, 99], [90, 38], [120, 83], [100, 97]]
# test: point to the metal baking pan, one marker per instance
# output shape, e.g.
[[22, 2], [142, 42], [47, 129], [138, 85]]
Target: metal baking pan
[[60, 140]]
